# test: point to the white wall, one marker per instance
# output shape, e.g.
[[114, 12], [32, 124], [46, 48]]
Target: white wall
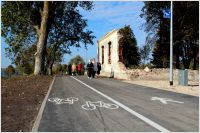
[[117, 67]]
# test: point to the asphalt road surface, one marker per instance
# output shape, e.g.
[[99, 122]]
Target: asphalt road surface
[[100, 105]]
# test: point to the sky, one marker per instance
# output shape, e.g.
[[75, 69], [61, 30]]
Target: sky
[[105, 17]]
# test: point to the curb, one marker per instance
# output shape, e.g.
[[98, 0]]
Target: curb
[[39, 116]]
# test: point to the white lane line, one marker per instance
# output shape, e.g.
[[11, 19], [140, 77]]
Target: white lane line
[[150, 122]]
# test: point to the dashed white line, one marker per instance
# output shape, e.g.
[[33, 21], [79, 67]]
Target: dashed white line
[[145, 119]]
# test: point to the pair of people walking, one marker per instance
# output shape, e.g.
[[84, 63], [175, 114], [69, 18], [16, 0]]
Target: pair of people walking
[[93, 68], [75, 69]]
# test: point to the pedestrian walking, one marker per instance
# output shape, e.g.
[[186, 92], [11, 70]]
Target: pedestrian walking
[[79, 68], [89, 69], [98, 68], [70, 69], [74, 69], [95, 68], [66, 71]]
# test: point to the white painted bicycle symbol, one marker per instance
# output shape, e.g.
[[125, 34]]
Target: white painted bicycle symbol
[[69, 100], [92, 105]]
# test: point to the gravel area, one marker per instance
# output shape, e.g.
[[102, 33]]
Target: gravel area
[[191, 89]]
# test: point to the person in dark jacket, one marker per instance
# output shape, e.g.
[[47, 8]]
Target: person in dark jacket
[[70, 69], [98, 68], [89, 69]]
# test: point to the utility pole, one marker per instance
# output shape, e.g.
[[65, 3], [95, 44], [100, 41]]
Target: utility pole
[[85, 55], [171, 46], [97, 50]]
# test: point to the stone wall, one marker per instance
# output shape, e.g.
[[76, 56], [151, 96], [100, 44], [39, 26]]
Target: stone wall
[[153, 74], [160, 74]]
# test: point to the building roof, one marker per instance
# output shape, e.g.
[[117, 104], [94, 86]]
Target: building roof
[[108, 34]]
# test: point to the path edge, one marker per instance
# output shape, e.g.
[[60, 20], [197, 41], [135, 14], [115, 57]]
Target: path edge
[[39, 116]]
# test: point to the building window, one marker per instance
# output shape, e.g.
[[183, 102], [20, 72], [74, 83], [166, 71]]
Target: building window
[[109, 53], [102, 55], [120, 53]]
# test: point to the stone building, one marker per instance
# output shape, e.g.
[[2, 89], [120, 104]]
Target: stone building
[[109, 54]]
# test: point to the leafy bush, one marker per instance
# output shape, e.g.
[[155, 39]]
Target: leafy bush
[[10, 70]]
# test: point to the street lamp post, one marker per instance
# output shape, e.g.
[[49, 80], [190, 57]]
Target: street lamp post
[[171, 46], [169, 14]]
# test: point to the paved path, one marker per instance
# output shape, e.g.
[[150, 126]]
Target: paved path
[[101, 105]]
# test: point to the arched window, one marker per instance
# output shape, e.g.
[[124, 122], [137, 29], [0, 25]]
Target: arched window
[[120, 53], [102, 55], [109, 52]]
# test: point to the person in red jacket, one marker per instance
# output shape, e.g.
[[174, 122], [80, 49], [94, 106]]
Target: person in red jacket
[[79, 68]]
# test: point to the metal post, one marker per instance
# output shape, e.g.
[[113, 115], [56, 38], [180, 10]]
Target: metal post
[[97, 50], [171, 46], [85, 56]]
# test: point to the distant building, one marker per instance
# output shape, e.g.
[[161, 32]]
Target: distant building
[[109, 54]]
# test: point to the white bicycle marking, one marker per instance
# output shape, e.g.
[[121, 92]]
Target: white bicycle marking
[[92, 105], [145, 119], [69, 100]]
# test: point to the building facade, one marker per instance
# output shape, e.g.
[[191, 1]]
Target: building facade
[[109, 54]]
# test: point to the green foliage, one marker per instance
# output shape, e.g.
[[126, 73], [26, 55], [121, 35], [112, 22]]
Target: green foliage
[[159, 30], [76, 60], [18, 29], [68, 30], [185, 32], [21, 23], [130, 51], [25, 61], [144, 53], [57, 69], [152, 12], [10, 70], [64, 68]]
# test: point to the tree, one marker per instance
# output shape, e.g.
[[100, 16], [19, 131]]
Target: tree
[[130, 51], [31, 22], [10, 70], [159, 28], [70, 33], [25, 61], [144, 53], [64, 68], [185, 32], [76, 60]]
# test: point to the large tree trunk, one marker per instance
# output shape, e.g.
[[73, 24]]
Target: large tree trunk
[[50, 71], [41, 44], [55, 48]]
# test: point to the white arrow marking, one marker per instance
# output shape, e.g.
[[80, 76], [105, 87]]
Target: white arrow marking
[[164, 100]]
